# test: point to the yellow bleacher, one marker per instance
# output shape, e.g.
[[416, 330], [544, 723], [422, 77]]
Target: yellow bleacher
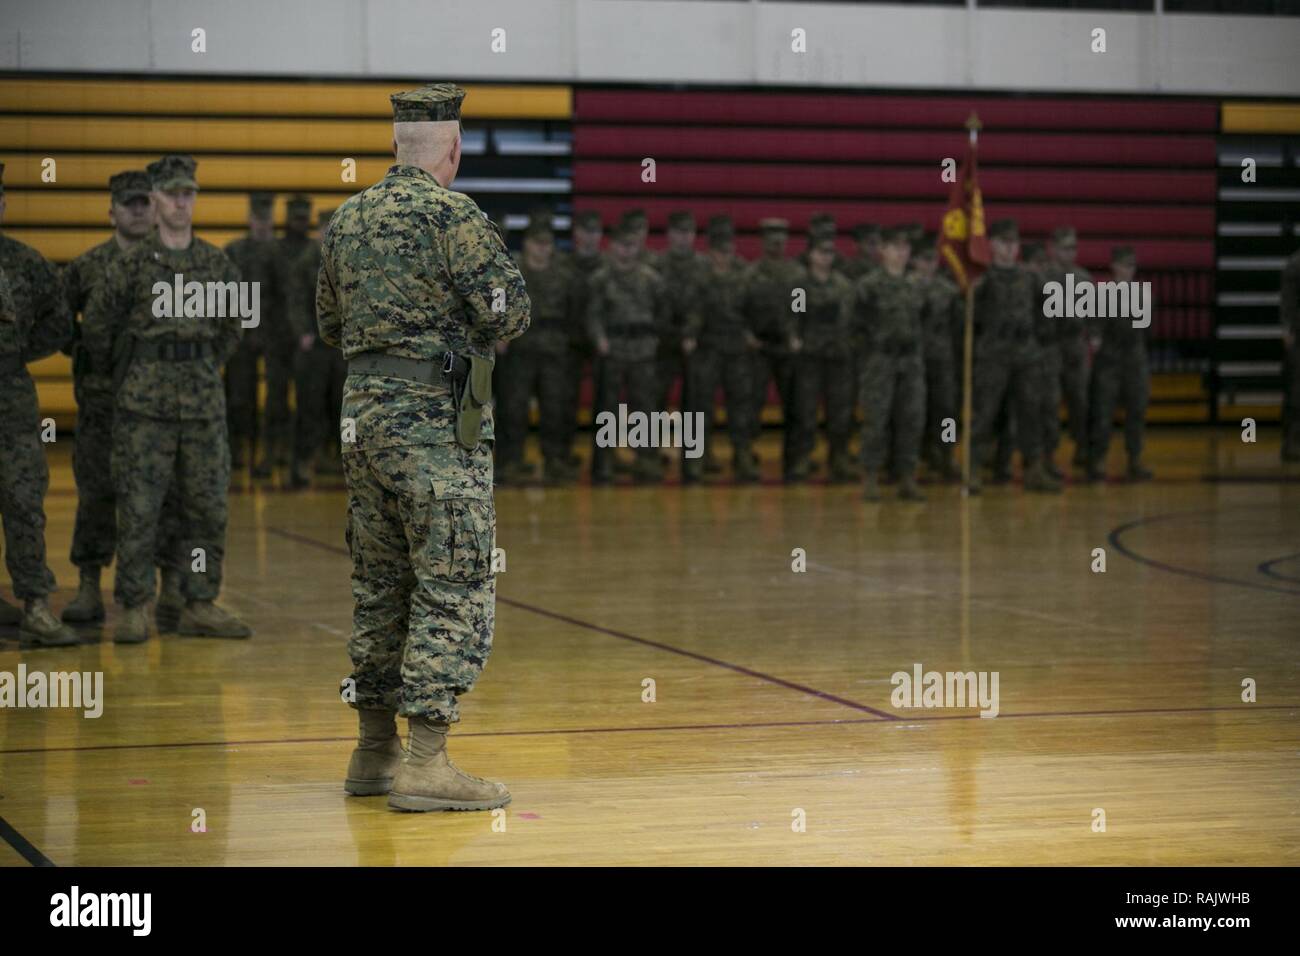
[[239, 131]]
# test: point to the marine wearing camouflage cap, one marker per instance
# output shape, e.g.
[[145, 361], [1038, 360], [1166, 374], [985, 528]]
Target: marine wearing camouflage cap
[[435, 103], [1004, 229], [175, 171], [132, 184], [261, 204]]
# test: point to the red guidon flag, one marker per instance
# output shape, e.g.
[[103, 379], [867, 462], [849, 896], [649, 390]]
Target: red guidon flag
[[963, 242]]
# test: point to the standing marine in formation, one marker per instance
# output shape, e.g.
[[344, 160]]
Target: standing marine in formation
[[721, 350], [34, 322], [94, 535], [1009, 361], [769, 309], [417, 288], [253, 255], [942, 321], [169, 426], [1120, 376], [627, 305], [536, 363], [1066, 360], [887, 325], [824, 364]]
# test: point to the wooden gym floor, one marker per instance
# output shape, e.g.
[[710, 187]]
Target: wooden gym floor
[[1119, 692]]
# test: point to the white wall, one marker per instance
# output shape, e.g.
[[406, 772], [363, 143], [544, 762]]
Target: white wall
[[660, 41]]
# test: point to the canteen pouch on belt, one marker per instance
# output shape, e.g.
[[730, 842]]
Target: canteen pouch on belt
[[471, 394]]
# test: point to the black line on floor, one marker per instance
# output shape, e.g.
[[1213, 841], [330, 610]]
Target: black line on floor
[[24, 847], [1115, 541], [622, 635]]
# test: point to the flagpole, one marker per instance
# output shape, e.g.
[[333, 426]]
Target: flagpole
[[968, 358]]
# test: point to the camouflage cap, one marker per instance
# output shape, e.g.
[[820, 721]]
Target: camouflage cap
[[175, 171], [590, 219], [1004, 229], [128, 185], [821, 226], [435, 103], [299, 205], [636, 218], [774, 225], [682, 219], [925, 244], [821, 240], [866, 230], [1125, 254], [539, 224], [720, 230], [895, 234], [914, 231], [260, 204], [1064, 234], [625, 229]]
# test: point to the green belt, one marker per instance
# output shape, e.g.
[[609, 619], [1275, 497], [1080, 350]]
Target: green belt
[[424, 371]]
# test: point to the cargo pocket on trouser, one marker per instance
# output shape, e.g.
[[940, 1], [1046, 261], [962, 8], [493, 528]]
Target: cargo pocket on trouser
[[464, 555]]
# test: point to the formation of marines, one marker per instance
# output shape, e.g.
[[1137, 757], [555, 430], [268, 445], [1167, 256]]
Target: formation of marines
[[877, 337]]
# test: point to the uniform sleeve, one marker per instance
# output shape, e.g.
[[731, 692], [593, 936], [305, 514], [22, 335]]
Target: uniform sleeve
[[103, 320], [228, 334], [484, 275], [663, 305], [328, 319], [52, 319], [74, 291], [595, 308]]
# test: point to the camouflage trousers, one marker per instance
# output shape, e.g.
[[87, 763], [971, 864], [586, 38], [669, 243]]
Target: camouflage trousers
[[277, 420], [735, 373], [520, 376], [241, 391], [612, 377], [941, 401], [94, 534], [575, 369], [891, 390], [151, 457], [1018, 381], [822, 378], [1072, 384], [318, 373], [1118, 380], [780, 368], [670, 366], [24, 479], [421, 528]]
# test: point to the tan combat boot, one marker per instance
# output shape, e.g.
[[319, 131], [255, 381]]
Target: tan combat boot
[[205, 619], [132, 626], [428, 780], [88, 606], [377, 756], [41, 626], [9, 615], [170, 603], [1037, 479]]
